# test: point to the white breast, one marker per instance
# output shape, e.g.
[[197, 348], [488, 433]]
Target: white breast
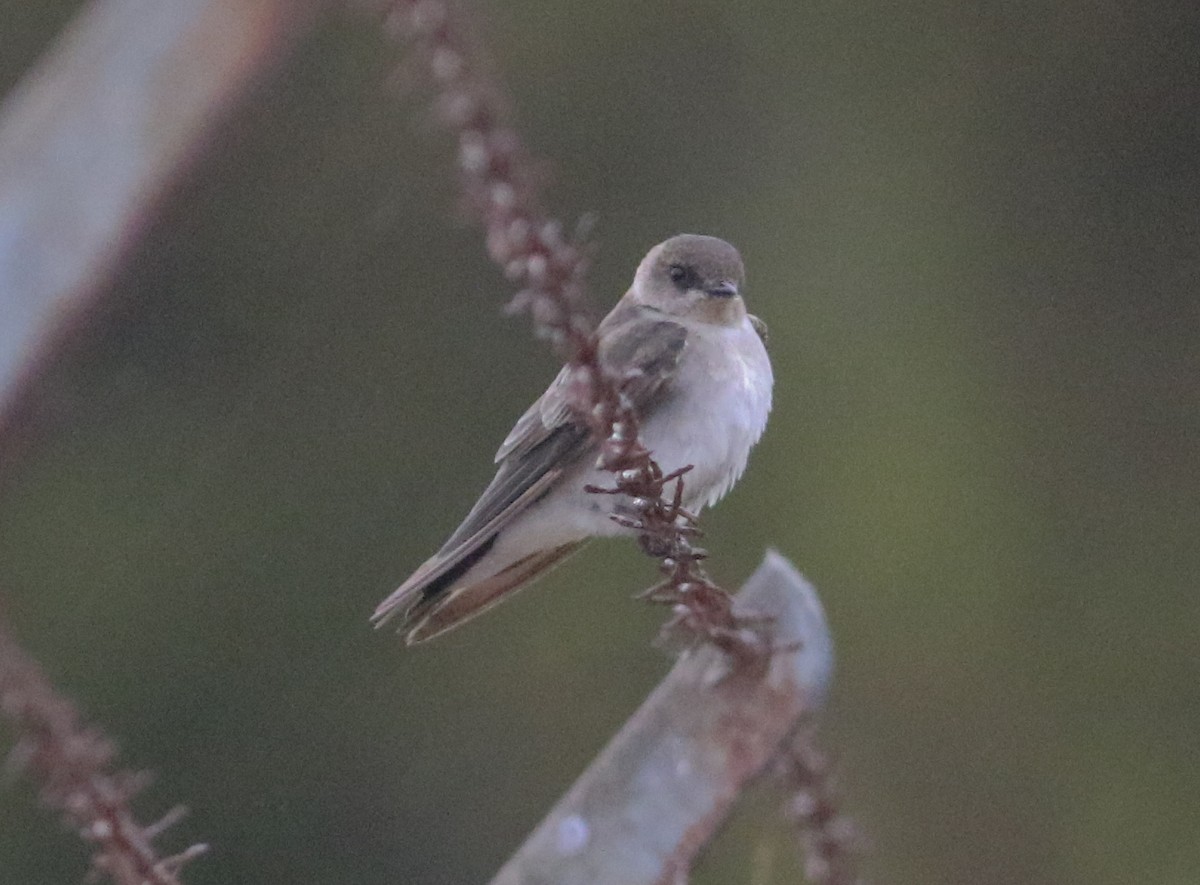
[[720, 411]]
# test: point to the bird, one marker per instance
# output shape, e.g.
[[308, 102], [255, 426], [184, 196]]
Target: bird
[[702, 384]]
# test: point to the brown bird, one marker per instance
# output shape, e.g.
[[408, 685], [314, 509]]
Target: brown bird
[[703, 393]]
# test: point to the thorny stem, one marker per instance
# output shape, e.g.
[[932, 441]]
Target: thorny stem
[[73, 766], [548, 269]]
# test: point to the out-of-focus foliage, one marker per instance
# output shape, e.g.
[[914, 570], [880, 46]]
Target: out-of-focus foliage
[[975, 233]]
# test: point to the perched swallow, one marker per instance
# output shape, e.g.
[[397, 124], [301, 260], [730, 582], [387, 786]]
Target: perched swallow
[[702, 391]]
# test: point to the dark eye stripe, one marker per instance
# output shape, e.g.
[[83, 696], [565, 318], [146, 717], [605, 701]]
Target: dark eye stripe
[[684, 277]]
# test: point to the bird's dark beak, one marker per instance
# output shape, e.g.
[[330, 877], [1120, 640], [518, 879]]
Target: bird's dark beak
[[723, 289]]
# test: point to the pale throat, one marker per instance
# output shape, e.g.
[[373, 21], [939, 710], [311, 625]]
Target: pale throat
[[721, 311]]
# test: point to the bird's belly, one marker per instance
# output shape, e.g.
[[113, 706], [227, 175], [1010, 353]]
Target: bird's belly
[[699, 435], [712, 426]]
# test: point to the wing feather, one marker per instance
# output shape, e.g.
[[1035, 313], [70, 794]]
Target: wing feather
[[549, 438], [642, 346]]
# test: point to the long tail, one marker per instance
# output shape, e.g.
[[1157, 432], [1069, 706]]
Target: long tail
[[465, 602], [430, 602]]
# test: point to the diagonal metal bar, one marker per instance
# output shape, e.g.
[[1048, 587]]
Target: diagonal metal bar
[[95, 134], [659, 791]]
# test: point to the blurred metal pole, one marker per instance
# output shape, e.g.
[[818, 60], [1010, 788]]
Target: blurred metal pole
[[95, 134], [659, 791]]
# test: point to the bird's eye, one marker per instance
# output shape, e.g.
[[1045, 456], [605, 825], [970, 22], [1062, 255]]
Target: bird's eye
[[680, 275]]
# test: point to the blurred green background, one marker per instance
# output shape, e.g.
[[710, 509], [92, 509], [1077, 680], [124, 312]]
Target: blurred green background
[[974, 230]]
